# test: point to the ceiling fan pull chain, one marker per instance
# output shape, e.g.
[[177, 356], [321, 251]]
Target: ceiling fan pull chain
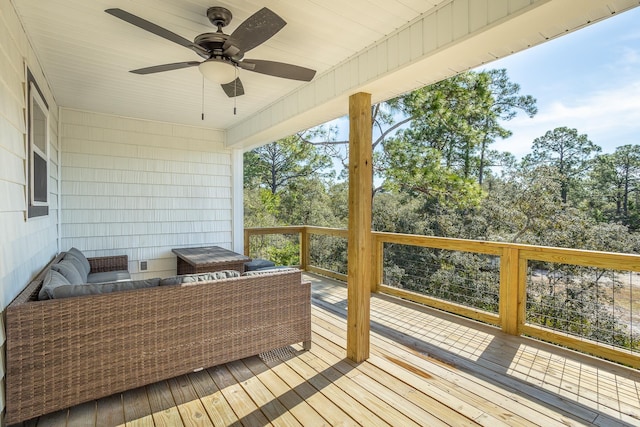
[[235, 91], [203, 97]]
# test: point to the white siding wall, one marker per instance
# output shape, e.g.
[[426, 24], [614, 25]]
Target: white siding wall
[[141, 188], [26, 246]]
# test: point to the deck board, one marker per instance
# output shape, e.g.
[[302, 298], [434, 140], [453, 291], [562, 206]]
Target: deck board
[[245, 408], [190, 408], [219, 411], [299, 408], [137, 411], [269, 405], [477, 400], [110, 411], [83, 415], [469, 399], [356, 386], [163, 406], [426, 368], [351, 406], [402, 396], [56, 419], [332, 413]]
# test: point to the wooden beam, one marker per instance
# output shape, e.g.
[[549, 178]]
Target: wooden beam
[[305, 249], [247, 242], [360, 251], [378, 264]]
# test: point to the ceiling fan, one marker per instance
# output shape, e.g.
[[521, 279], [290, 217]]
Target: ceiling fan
[[223, 54]]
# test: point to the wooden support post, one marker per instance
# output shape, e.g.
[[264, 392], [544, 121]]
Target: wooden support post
[[511, 291], [378, 265], [360, 251], [247, 242], [305, 243]]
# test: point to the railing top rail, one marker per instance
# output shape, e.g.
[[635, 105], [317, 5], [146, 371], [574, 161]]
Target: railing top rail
[[479, 246], [329, 231], [584, 257], [285, 229], [609, 260]]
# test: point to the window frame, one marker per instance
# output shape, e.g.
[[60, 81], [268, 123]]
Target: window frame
[[36, 207]]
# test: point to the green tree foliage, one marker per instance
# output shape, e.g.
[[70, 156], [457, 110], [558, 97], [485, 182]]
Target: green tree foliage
[[522, 206], [616, 180], [461, 116], [418, 169], [568, 152], [280, 163], [285, 183]]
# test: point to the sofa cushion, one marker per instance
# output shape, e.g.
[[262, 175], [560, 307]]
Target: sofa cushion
[[270, 270], [108, 276], [76, 253], [78, 265], [200, 277], [52, 280], [258, 263], [69, 271], [68, 291]]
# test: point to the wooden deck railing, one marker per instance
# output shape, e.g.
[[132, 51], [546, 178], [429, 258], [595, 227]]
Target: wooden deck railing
[[512, 272]]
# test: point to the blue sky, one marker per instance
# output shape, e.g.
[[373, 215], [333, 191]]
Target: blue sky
[[588, 80]]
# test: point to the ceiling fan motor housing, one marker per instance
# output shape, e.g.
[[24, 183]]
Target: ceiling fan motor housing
[[212, 42], [219, 16]]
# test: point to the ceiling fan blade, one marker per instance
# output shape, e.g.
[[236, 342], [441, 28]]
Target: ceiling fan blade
[[233, 88], [157, 30], [278, 69], [165, 67], [255, 30]]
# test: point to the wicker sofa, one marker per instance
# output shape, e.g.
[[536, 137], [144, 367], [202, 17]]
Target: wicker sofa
[[62, 352]]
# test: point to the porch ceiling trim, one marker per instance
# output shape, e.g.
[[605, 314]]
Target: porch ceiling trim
[[455, 37]]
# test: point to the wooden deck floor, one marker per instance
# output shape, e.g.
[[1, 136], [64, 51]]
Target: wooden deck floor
[[426, 368]]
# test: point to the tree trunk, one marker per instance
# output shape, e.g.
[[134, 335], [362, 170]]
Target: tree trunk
[[625, 205], [481, 166]]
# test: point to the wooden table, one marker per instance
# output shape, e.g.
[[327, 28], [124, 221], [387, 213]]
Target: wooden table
[[208, 259]]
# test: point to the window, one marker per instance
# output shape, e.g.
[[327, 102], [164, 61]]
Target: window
[[38, 141]]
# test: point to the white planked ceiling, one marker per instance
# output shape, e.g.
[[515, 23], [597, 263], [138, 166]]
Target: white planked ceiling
[[86, 53]]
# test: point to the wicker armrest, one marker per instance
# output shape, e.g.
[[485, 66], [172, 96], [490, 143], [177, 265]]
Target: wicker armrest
[[109, 263]]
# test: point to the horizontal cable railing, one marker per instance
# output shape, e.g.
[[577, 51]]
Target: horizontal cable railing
[[281, 245], [458, 276], [327, 252], [585, 300]]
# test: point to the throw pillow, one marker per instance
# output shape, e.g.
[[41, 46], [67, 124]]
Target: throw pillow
[[226, 274], [52, 280], [69, 271], [78, 265], [280, 269], [83, 259], [200, 277]]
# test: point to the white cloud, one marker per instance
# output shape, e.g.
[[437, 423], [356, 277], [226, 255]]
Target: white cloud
[[630, 56], [610, 117]]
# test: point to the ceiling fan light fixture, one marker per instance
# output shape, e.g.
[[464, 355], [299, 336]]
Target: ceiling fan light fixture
[[218, 70]]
